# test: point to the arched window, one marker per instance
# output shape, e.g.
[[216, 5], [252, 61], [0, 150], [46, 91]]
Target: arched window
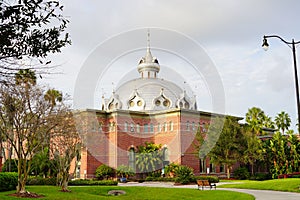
[[125, 127], [131, 159], [146, 128], [159, 127], [193, 126], [138, 129], [165, 127], [188, 126], [166, 159], [171, 126], [151, 128], [131, 127]]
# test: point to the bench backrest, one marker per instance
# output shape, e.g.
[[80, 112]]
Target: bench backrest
[[203, 182]]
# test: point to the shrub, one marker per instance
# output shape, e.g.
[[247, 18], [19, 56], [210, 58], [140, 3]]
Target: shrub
[[184, 174], [93, 182], [261, 177], [241, 173], [211, 179], [124, 171], [13, 165], [41, 181], [170, 169], [104, 171], [8, 181]]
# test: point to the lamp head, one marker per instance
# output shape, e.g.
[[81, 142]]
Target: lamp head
[[265, 44]]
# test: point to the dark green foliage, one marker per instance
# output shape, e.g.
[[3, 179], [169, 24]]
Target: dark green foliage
[[93, 182], [241, 173], [41, 181], [30, 29], [13, 164], [184, 174], [261, 177], [104, 171], [211, 179], [160, 179], [8, 181]]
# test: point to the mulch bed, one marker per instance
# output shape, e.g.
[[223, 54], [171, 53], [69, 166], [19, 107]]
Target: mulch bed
[[27, 195]]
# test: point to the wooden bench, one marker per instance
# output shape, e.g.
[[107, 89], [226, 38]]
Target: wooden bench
[[205, 183]]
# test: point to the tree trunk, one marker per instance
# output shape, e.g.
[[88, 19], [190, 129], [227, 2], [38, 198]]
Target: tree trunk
[[252, 169], [64, 182], [228, 172]]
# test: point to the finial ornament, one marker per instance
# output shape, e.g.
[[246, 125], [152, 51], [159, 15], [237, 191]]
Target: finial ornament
[[148, 39]]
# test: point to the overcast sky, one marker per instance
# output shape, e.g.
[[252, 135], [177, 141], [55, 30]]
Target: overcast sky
[[230, 32]]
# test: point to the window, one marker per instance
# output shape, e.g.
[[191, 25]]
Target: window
[[212, 167], [193, 126], [125, 127], [151, 128], [202, 165], [165, 156], [171, 126], [131, 159], [159, 127], [146, 128], [138, 128], [222, 168], [165, 127], [188, 126], [131, 127]]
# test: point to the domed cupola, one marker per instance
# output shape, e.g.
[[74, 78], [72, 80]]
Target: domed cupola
[[148, 66]]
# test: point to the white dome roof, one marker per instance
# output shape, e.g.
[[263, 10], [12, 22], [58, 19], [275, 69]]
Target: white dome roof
[[149, 93]]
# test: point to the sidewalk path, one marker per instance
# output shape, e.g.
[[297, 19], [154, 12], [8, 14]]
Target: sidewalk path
[[258, 194]]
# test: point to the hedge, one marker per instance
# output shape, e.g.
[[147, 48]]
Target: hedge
[[41, 181], [93, 182], [8, 181], [211, 179]]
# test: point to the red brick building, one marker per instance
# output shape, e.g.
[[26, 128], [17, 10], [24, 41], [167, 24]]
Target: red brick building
[[147, 109]]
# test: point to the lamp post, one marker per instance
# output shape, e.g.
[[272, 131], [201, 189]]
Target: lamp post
[[265, 46]]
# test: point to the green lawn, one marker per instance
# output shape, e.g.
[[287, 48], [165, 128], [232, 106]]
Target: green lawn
[[100, 192], [286, 185]]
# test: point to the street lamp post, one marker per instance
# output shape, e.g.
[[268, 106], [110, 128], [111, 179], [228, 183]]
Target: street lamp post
[[265, 46]]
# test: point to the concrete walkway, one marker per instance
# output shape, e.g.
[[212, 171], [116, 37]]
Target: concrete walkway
[[258, 194]]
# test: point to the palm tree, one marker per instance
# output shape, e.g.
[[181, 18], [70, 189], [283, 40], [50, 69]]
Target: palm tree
[[268, 122], [53, 96], [255, 118], [149, 157], [26, 77], [283, 121]]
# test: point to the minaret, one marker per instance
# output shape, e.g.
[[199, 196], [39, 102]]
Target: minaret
[[148, 66]]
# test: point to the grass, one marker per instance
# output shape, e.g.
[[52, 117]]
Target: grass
[[132, 193], [286, 185]]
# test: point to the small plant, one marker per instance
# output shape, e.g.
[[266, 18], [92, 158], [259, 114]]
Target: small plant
[[104, 172]]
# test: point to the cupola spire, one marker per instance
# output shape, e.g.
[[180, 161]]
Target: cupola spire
[[148, 66]]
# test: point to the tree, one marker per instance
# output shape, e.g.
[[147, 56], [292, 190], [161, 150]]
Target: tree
[[255, 118], [227, 150], [149, 157], [26, 122], [253, 148], [283, 121], [65, 144], [30, 30], [104, 171]]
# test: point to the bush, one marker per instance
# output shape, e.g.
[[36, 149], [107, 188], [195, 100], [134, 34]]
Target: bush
[[13, 165], [8, 181], [93, 182], [184, 174], [41, 181], [261, 177], [211, 179], [241, 173], [161, 179], [104, 171], [124, 171], [170, 169]]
